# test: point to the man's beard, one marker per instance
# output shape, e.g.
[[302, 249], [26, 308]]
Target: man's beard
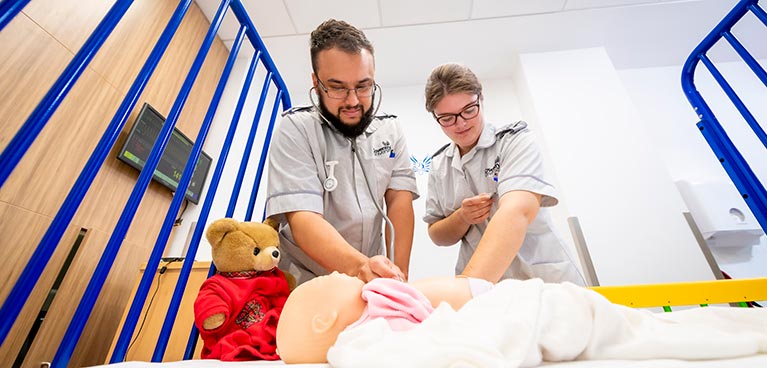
[[349, 131]]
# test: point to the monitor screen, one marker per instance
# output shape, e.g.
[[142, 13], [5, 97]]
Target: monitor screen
[[139, 144]]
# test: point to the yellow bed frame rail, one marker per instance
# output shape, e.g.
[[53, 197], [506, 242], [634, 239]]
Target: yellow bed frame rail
[[701, 293]]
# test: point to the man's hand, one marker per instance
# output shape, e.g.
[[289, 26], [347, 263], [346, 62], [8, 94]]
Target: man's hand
[[380, 266], [476, 209]]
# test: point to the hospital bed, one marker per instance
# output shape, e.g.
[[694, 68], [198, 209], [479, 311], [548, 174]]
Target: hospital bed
[[667, 296]]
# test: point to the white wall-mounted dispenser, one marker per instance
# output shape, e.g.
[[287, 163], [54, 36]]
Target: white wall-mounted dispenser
[[722, 216]]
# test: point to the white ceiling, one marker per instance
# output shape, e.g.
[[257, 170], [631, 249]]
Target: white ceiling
[[412, 36]]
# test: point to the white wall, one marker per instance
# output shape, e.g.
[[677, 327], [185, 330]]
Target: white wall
[[617, 186], [669, 122]]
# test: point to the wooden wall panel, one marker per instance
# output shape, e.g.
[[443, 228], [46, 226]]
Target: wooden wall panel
[[96, 337], [173, 69], [145, 341], [128, 47], [95, 345], [113, 185], [47, 172], [32, 60], [16, 247], [40, 42], [70, 22]]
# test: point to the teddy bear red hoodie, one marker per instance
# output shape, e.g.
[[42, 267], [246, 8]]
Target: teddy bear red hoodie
[[251, 303]]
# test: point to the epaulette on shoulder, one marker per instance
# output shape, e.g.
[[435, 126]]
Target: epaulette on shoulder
[[440, 150], [385, 116], [511, 128], [296, 109]]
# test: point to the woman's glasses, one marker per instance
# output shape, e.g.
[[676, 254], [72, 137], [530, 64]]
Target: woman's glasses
[[469, 112]]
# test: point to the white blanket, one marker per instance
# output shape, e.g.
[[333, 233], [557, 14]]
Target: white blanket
[[522, 323]]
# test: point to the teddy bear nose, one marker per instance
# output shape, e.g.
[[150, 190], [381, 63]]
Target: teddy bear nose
[[276, 253]]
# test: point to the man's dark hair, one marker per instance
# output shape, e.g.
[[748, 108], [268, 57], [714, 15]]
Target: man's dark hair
[[339, 34]]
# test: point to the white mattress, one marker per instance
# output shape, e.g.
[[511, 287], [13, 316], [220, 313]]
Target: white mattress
[[747, 362]]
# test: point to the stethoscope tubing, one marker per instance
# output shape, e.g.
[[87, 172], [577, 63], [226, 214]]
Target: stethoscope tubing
[[331, 183]]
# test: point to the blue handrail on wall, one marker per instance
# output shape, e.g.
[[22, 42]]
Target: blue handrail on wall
[[736, 166], [9, 9], [10, 157], [21, 141]]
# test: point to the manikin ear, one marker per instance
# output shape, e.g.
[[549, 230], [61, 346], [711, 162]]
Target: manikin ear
[[322, 322]]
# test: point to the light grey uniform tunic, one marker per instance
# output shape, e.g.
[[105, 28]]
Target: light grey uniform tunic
[[302, 145], [503, 160]]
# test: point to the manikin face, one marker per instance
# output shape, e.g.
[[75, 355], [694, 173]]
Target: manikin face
[[338, 70], [464, 133]]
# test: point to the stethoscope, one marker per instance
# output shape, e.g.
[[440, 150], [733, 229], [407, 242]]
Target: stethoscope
[[331, 183]]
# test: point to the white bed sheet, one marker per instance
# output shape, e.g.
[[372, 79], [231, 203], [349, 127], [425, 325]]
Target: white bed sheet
[[756, 361], [522, 323]]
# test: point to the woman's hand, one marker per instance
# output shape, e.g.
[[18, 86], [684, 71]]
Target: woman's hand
[[476, 209]]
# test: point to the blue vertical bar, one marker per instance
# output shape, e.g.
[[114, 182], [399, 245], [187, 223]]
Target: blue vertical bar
[[194, 334], [258, 44], [123, 341], [746, 56], [254, 127], [186, 268], [162, 340], [34, 268], [735, 165], [118, 234], [249, 147], [751, 189], [759, 12], [9, 9], [201, 221], [735, 99], [264, 151], [23, 139]]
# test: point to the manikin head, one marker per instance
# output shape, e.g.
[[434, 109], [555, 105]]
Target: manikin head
[[315, 314]]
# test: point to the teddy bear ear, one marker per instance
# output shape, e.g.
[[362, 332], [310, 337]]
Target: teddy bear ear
[[273, 223], [219, 228]]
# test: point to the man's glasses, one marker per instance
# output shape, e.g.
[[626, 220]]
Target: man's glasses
[[469, 112], [340, 93]]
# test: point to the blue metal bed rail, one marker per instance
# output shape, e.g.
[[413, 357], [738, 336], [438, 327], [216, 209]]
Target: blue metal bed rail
[[26, 135], [736, 166]]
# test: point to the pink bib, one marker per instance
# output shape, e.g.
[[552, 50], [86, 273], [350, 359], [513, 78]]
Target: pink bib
[[400, 304]]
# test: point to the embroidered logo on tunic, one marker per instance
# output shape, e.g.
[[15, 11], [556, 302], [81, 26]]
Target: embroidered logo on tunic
[[494, 170], [421, 167], [384, 149], [251, 313]]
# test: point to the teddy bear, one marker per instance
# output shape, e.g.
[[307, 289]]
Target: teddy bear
[[237, 309]]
